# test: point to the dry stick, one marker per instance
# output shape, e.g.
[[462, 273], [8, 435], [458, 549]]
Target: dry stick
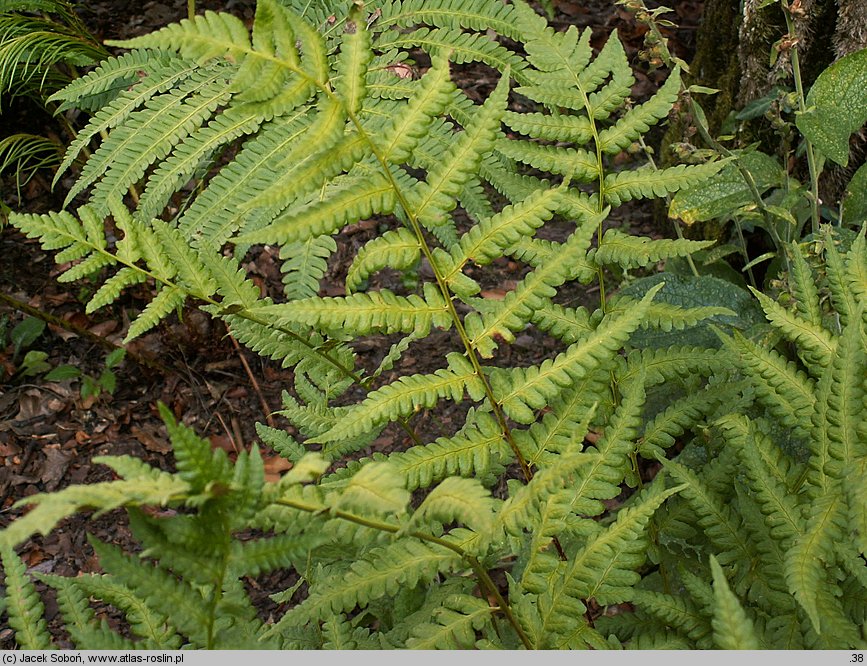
[[266, 408], [21, 306]]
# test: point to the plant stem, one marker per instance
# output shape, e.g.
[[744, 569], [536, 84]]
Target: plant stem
[[191, 9], [802, 106], [484, 578]]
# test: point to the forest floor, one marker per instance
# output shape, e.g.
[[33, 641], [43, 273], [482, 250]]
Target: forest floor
[[49, 432]]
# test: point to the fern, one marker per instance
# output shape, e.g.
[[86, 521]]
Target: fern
[[294, 130]]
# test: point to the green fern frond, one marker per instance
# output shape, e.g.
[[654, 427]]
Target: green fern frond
[[24, 608], [521, 390], [783, 388], [463, 500], [189, 155], [377, 488], [305, 264], [629, 251], [398, 249], [382, 571], [804, 288], [767, 473], [814, 342], [732, 627], [79, 618], [448, 14], [638, 120], [160, 306], [158, 590], [605, 567], [648, 183], [805, 561], [434, 198], [51, 508], [148, 135], [602, 478], [718, 520], [551, 127], [676, 613], [516, 309], [153, 626], [566, 324], [454, 625], [835, 270], [840, 402], [375, 311], [662, 365], [578, 164], [347, 203], [164, 73], [198, 465], [403, 396]]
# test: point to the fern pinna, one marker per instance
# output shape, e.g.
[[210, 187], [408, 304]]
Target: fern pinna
[[295, 130]]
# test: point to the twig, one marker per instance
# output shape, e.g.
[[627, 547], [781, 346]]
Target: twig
[[266, 409]]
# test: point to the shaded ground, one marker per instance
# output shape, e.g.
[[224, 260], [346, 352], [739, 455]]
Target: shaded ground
[[49, 432]]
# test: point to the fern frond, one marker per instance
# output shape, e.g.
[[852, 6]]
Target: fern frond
[[434, 198], [162, 305], [79, 619], [841, 400], [474, 451], [398, 249], [487, 240], [835, 270], [24, 608], [165, 73], [579, 164], [364, 313], [515, 310], [605, 567], [551, 126], [346, 203], [149, 135], [732, 627], [112, 76], [158, 590], [377, 488], [305, 264], [566, 324], [676, 613], [403, 396], [718, 520], [520, 390], [815, 343], [784, 389], [661, 431], [382, 571], [51, 508], [629, 251], [602, 478], [188, 156], [448, 14], [638, 120], [459, 499], [648, 183], [461, 47], [454, 624], [805, 561]]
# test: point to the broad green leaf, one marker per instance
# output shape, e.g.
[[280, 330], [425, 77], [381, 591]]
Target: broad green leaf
[[836, 106], [726, 191], [855, 200]]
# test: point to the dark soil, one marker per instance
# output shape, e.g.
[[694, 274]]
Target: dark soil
[[49, 433]]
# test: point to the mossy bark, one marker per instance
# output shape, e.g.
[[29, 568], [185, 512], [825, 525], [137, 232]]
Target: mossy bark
[[733, 54]]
